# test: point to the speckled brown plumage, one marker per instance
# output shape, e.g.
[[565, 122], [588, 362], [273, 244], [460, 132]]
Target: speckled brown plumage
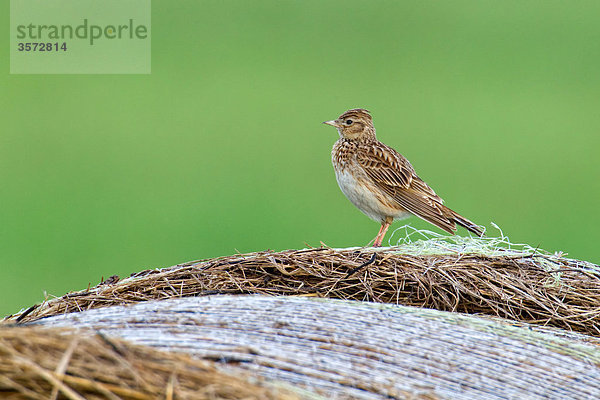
[[381, 182]]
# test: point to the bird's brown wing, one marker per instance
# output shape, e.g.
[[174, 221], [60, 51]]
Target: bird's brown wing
[[395, 176], [385, 165]]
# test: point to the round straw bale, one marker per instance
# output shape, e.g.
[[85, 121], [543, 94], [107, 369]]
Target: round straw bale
[[525, 286], [360, 350]]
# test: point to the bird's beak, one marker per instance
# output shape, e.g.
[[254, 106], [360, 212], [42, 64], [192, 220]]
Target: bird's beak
[[332, 123]]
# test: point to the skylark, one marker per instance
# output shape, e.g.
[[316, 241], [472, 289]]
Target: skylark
[[381, 182]]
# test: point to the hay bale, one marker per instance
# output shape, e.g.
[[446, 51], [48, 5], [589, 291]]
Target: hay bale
[[524, 286], [63, 364], [349, 349]]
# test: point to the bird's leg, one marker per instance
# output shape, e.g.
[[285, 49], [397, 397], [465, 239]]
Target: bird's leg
[[378, 238], [382, 231]]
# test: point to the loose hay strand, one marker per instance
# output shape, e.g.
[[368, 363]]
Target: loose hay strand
[[473, 275], [80, 365]]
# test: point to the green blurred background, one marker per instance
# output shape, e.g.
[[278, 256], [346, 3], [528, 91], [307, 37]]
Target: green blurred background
[[221, 149]]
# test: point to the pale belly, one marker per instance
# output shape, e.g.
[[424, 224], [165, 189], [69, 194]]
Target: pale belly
[[373, 203]]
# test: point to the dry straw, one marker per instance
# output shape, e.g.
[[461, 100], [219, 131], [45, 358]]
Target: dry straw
[[54, 364], [479, 276]]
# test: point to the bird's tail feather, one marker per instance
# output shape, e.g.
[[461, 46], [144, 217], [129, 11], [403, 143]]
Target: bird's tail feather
[[462, 221], [465, 223]]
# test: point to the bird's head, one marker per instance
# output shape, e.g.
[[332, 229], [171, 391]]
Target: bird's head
[[354, 124]]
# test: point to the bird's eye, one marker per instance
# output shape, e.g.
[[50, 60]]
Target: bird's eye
[[348, 122]]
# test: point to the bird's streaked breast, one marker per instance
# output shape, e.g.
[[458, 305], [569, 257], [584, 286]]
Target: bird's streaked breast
[[359, 188]]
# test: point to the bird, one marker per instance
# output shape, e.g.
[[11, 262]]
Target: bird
[[381, 182]]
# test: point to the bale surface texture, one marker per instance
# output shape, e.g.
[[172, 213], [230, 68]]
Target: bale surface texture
[[349, 349]]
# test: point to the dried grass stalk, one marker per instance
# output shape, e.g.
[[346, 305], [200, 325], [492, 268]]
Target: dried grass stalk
[[523, 286], [54, 364]]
